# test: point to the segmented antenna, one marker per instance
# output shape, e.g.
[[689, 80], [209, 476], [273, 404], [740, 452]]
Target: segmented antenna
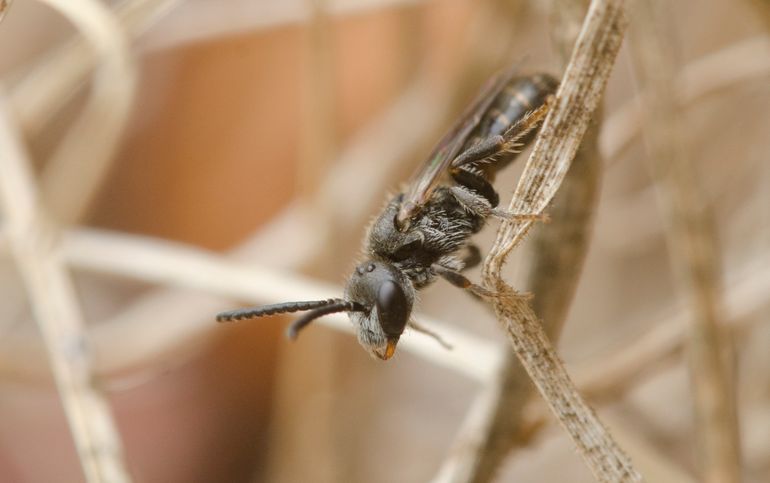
[[341, 306], [265, 310], [318, 308]]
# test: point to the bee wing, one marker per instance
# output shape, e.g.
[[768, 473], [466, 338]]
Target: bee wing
[[427, 177]]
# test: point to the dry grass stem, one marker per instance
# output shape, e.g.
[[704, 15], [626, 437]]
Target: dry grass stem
[[469, 446], [607, 377], [203, 21], [82, 157], [173, 264], [318, 144], [652, 462], [320, 231], [379, 153], [319, 133], [694, 252], [741, 62], [53, 81], [747, 296], [54, 303], [726, 68], [577, 98], [184, 312], [494, 423], [602, 454], [177, 265]]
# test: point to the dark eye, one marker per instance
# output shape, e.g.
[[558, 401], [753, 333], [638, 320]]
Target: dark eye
[[392, 308]]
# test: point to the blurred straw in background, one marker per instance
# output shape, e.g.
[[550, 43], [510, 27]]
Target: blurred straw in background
[[166, 159]]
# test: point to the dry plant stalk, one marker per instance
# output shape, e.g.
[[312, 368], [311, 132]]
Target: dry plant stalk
[[379, 153], [610, 375], [34, 247], [207, 20], [318, 142], [180, 266], [651, 459], [607, 377], [371, 146], [560, 136], [54, 80], [694, 251], [496, 421], [304, 428], [373, 153], [706, 76], [82, 157]]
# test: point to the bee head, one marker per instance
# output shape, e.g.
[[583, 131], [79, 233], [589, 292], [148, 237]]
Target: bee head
[[388, 296], [378, 299]]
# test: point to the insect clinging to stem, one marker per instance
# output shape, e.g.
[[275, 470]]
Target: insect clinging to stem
[[423, 233]]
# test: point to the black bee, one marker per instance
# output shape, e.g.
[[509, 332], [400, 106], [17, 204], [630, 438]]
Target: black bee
[[424, 232]]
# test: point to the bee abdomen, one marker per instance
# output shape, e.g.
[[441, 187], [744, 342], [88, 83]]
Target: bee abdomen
[[520, 96], [515, 100]]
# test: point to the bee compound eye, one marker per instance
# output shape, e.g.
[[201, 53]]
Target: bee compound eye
[[392, 308]]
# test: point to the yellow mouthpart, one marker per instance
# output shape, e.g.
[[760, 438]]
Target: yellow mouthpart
[[390, 349]]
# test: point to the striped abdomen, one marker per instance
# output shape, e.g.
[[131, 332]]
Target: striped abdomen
[[520, 96]]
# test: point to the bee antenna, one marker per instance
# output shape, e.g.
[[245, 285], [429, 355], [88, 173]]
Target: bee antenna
[[265, 310], [340, 306]]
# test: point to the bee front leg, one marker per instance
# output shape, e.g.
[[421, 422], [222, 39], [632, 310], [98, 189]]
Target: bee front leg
[[461, 281]]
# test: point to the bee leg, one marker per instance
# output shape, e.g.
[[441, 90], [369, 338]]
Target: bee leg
[[512, 140], [424, 330], [472, 256], [477, 185], [461, 281], [486, 148], [480, 206]]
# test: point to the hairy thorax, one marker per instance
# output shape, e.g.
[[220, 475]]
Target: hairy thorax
[[433, 236]]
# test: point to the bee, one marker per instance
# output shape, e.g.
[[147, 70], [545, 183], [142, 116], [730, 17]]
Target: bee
[[424, 232]]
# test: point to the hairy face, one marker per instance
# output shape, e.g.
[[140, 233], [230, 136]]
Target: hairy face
[[388, 295]]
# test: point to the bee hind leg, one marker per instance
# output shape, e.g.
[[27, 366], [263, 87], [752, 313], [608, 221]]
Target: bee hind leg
[[481, 151], [503, 148]]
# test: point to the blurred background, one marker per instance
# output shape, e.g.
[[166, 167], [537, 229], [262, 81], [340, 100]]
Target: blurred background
[[261, 135]]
